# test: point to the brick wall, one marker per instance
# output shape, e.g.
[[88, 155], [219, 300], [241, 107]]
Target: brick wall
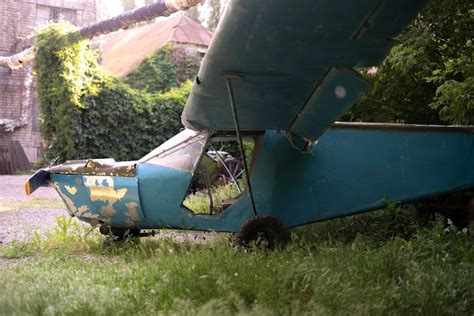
[[18, 19]]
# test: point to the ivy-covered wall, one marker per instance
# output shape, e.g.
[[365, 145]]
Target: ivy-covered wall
[[88, 113], [168, 68]]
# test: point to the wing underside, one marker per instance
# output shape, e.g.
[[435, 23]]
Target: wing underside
[[291, 62]]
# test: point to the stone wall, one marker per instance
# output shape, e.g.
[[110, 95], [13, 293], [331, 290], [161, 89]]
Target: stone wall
[[19, 114]]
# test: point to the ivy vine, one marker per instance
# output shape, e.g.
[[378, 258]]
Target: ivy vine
[[87, 113]]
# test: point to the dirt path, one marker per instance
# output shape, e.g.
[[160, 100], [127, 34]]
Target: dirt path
[[21, 215]]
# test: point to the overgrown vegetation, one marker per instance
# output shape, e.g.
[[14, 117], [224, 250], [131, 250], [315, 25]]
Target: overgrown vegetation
[[169, 67], [88, 113], [199, 202], [429, 76], [375, 263]]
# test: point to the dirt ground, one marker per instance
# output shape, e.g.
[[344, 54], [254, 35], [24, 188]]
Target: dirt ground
[[20, 215]]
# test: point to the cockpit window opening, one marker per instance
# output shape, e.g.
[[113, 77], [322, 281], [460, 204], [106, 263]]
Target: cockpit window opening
[[219, 179], [180, 152]]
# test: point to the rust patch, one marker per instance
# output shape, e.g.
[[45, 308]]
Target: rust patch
[[132, 211], [96, 167]]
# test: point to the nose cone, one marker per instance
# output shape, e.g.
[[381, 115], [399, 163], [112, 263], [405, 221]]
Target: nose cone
[[100, 200]]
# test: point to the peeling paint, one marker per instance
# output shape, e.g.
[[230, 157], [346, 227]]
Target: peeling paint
[[72, 190], [103, 189], [66, 199], [132, 211], [96, 167], [82, 209]]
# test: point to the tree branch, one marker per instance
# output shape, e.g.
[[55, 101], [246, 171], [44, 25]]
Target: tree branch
[[122, 21]]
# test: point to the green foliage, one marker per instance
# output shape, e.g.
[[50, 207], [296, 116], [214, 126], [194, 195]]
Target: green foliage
[[429, 76], [124, 123], [371, 264], [194, 14], [87, 113], [65, 69], [215, 12], [169, 67]]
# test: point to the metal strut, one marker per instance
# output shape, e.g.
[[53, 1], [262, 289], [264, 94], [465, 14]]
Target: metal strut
[[228, 80]]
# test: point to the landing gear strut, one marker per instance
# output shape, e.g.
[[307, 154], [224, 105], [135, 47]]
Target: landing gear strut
[[118, 233]]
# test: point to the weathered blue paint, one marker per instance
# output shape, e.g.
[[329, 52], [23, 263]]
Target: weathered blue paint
[[339, 90], [281, 51], [162, 192], [290, 63], [97, 199], [352, 170]]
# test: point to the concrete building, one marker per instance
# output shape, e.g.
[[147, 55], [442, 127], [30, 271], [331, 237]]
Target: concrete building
[[19, 113]]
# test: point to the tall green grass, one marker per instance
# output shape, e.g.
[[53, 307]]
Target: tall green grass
[[377, 263], [200, 201]]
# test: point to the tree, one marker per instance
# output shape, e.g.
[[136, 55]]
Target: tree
[[429, 76], [194, 14], [123, 21], [128, 5], [214, 7]]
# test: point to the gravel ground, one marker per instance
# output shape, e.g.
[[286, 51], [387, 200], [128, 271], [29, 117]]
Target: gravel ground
[[19, 218]]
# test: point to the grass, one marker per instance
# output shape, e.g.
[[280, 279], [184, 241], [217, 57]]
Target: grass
[[377, 263], [31, 203], [199, 202]]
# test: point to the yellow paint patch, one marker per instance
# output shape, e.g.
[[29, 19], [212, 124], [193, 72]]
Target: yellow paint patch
[[82, 210], [69, 203], [103, 189], [70, 189], [132, 211]]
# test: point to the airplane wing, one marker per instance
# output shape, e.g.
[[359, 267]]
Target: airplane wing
[[290, 62]]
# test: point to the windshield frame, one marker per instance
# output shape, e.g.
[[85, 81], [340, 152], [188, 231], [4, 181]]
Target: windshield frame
[[185, 136]]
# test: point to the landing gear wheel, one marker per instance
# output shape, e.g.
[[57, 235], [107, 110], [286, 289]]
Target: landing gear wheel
[[264, 231], [118, 233]]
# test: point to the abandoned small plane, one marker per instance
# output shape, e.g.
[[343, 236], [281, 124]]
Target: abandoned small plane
[[276, 77]]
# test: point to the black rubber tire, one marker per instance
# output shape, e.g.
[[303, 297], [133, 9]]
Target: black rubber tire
[[263, 231]]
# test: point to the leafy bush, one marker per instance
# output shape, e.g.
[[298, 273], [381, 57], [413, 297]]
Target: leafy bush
[[169, 67], [429, 76], [87, 112]]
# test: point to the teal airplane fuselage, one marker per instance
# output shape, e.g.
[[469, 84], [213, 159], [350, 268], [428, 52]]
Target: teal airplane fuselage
[[353, 168]]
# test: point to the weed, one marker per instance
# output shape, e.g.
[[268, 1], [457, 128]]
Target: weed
[[377, 263], [199, 202]]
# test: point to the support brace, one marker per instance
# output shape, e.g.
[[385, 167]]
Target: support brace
[[228, 79]]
